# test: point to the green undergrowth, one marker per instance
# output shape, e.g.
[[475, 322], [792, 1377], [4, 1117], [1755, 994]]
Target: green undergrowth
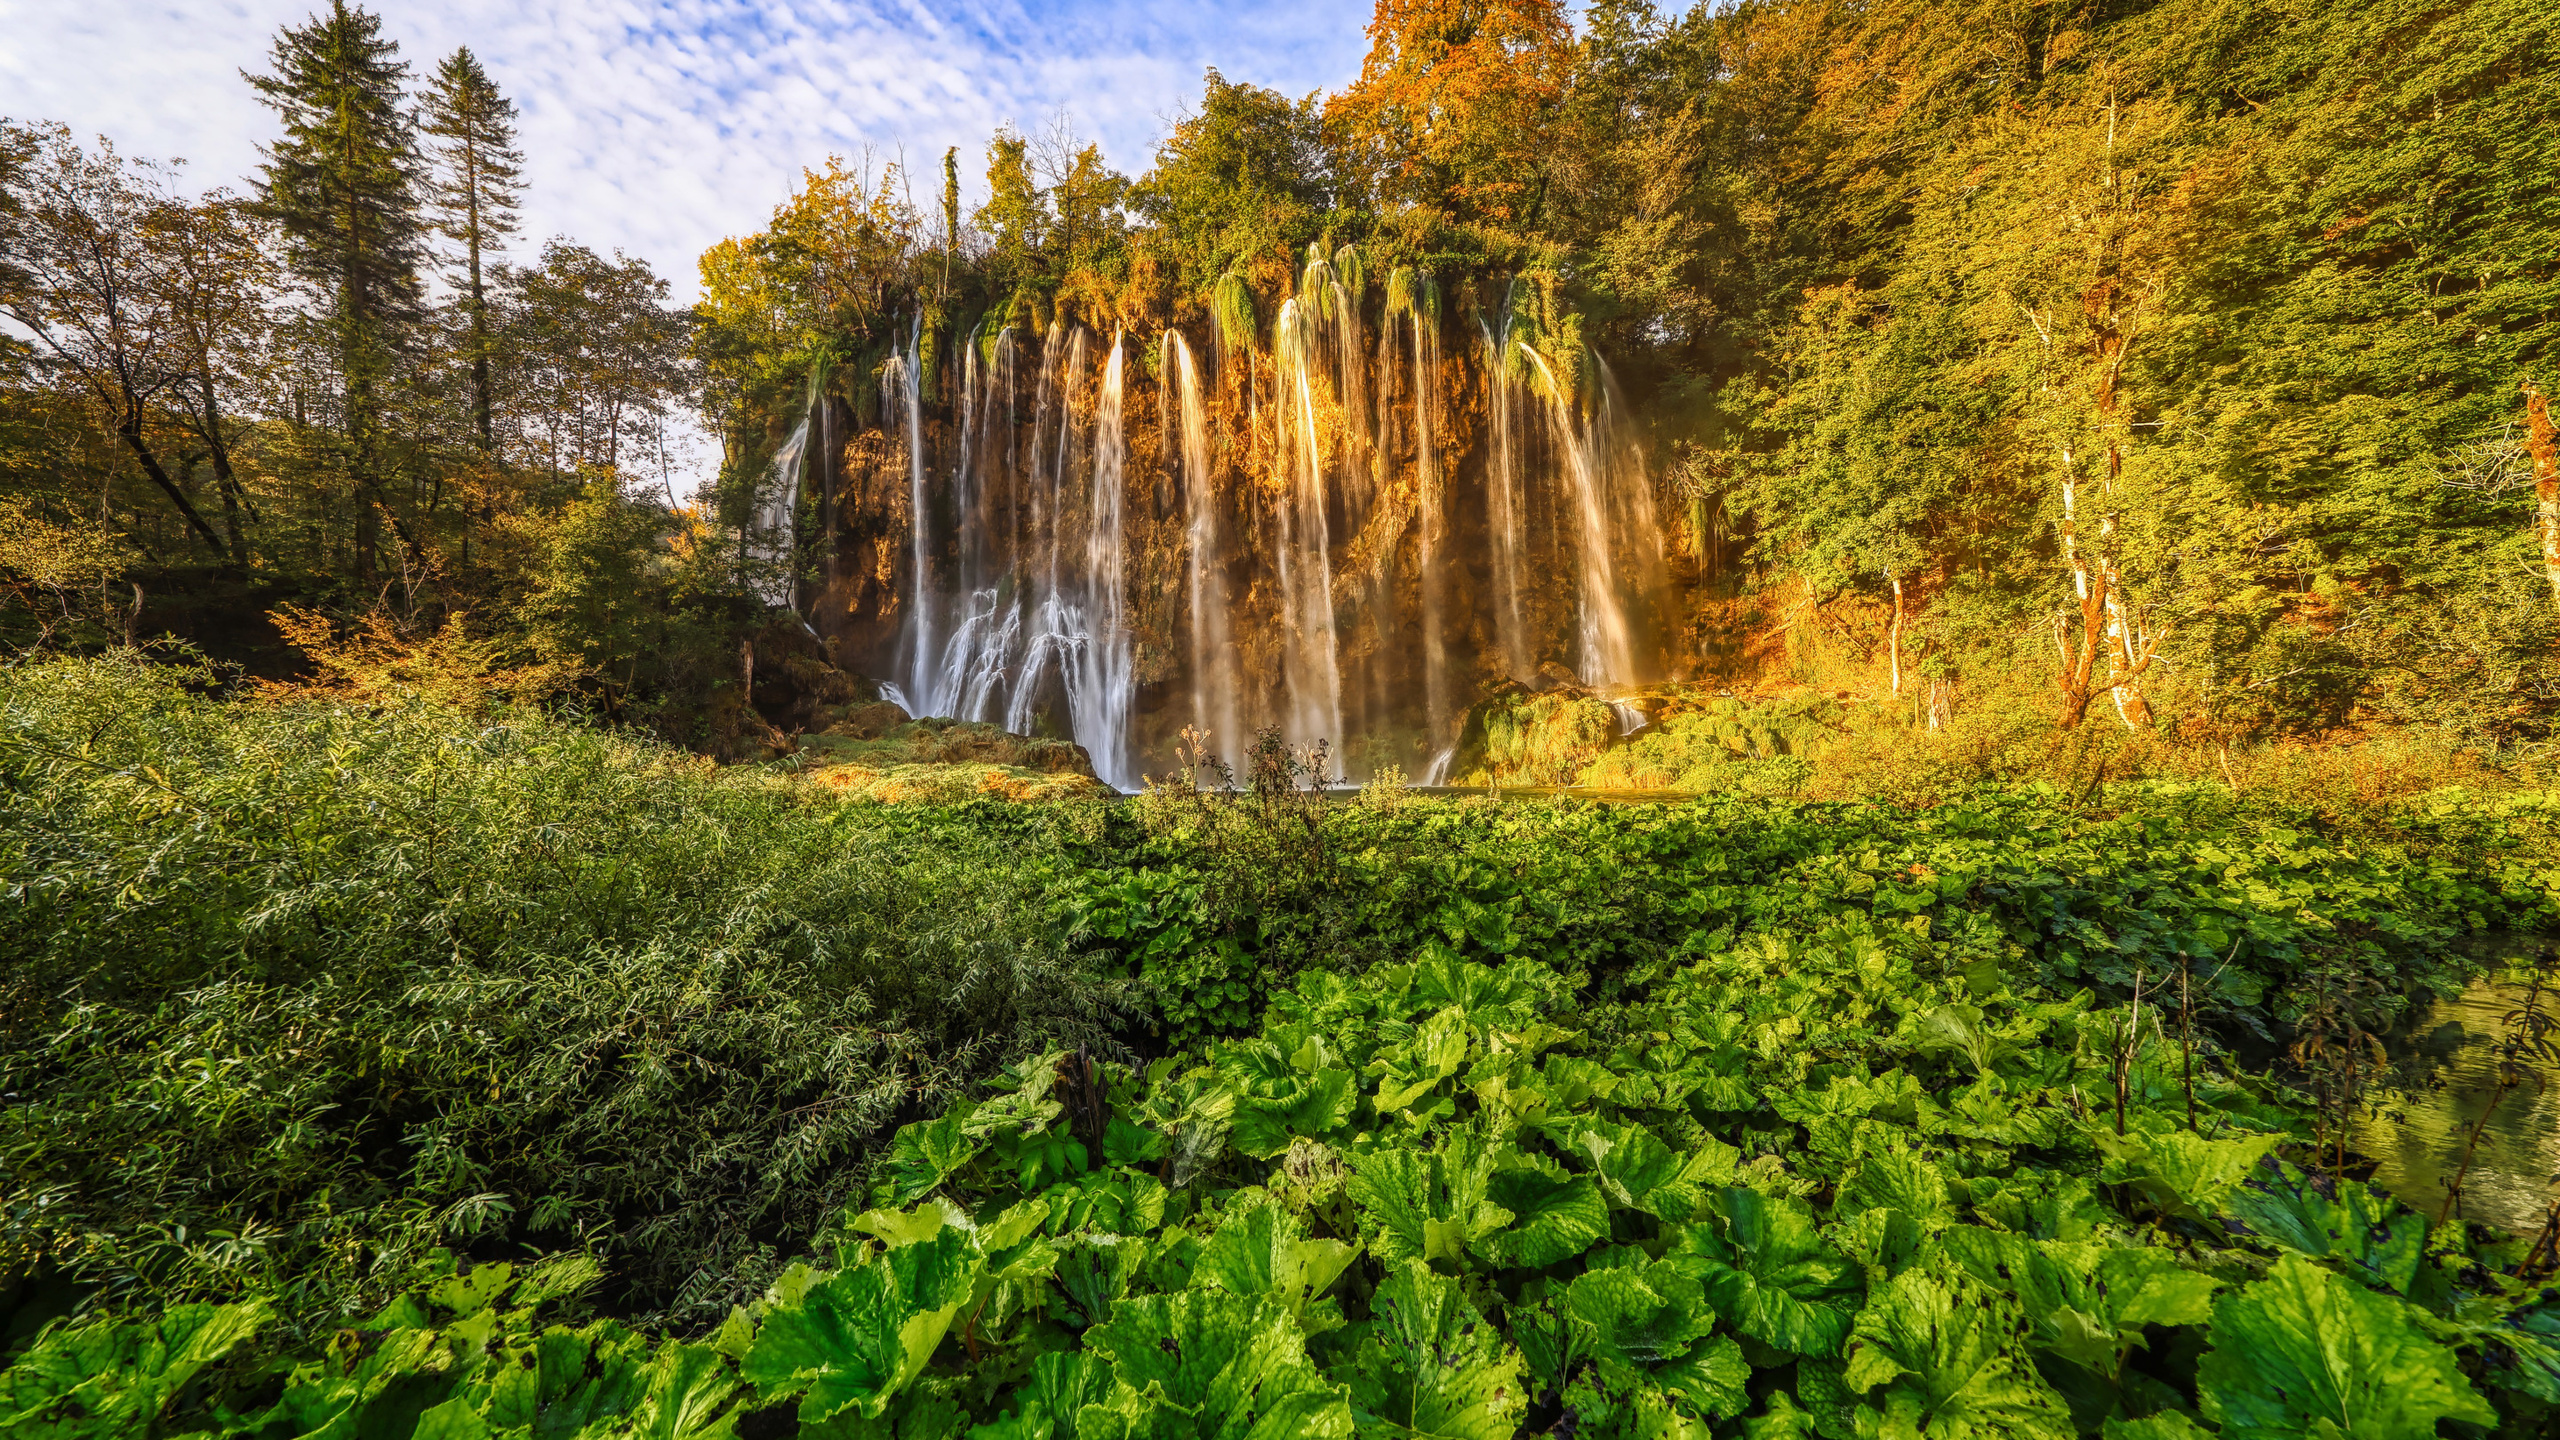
[[292, 993], [2256, 901], [1778, 1188], [658, 1098]]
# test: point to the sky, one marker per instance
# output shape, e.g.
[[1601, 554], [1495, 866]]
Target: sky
[[658, 126]]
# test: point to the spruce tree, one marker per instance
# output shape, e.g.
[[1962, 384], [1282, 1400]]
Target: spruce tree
[[342, 186], [475, 190]]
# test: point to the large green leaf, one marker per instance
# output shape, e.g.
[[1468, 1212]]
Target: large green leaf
[[690, 1396], [565, 1380], [1435, 1205], [1277, 1101], [2181, 1174], [1640, 1316], [118, 1375], [1045, 1406], [1207, 1365], [2381, 1241], [1944, 1353], [2085, 1303], [1897, 1180], [858, 1335], [1552, 1216], [1262, 1250], [1096, 1270], [1434, 1052], [1638, 1172], [921, 1158], [1430, 1366], [365, 1382], [1771, 1274], [2308, 1352]]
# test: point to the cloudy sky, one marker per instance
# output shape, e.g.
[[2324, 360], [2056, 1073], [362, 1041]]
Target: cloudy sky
[[658, 126]]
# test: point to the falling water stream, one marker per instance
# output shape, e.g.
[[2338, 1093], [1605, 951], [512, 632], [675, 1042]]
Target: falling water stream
[[1321, 537]]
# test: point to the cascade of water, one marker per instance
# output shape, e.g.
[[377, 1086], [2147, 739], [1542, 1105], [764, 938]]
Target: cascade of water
[[1022, 610], [1039, 609], [1437, 773], [1506, 516], [1604, 650], [1635, 528], [1215, 685], [765, 542], [1424, 317], [903, 375], [1102, 702], [1311, 670]]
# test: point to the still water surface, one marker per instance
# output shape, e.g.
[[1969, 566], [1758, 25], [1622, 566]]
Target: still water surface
[[2451, 1060]]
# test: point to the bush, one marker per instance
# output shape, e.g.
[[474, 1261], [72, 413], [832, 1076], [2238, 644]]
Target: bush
[[291, 992]]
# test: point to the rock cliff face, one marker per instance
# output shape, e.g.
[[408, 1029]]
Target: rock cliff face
[[1348, 520]]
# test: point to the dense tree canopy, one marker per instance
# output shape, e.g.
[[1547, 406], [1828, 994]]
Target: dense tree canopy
[[2208, 318]]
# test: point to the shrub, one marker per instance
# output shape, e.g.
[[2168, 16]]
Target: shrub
[[291, 992]]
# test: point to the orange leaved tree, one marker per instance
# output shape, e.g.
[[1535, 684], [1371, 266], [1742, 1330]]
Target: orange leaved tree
[[1453, 103]]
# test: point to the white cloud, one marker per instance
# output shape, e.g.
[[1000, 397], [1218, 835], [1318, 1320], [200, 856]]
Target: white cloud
[[658, 126]]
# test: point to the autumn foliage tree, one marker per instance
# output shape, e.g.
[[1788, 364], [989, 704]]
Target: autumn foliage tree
[[1453, 104]]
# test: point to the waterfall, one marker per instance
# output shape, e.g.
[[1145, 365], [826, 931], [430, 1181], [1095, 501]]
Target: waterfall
[[1215, 683], [1037, 588], [1343, 552], [1311, 650], [1604, 651], [1504, 517], [1422, 317], [765, 543], [905, 374], [1105, 692]]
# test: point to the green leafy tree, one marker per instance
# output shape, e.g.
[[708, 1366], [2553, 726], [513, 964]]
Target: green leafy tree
[[342, 184], [475, 192], [84, 284], [1247, 174]]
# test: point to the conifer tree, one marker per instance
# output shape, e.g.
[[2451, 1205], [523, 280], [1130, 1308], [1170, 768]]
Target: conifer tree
[[475, 190], [342, 186]]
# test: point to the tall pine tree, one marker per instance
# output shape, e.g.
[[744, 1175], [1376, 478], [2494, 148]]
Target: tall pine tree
[[475, 190], [342, 185]]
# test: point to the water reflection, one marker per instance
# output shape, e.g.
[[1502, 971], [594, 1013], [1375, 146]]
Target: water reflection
[[2451, 1057]]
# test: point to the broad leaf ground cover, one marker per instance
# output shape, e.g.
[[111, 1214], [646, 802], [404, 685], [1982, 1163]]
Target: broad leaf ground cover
[[1406, 1119]]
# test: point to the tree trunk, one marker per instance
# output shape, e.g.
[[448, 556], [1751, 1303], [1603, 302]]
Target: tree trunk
[[131, 430], [2544, 446], [2123, 665], [228, 483], [2079, 665], [1897, 630], [481, 418]]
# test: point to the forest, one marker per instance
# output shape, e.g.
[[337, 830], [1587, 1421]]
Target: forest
[[1794, 718]]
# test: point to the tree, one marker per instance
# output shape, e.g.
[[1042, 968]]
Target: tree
[[474, 194], [211, 274], [1246, 175], [342, 185], [599, 358], [1015, 218], [82, 284], [1452, 104]]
